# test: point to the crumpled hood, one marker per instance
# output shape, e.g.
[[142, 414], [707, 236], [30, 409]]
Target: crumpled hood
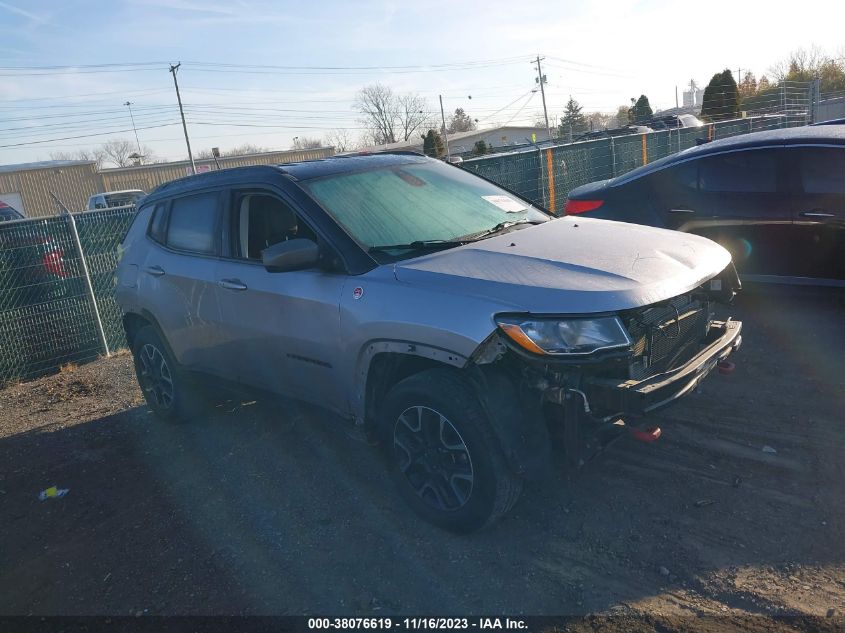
[[571, 266]]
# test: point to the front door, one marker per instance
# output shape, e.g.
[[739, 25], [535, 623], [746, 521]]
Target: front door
[[281, 329]]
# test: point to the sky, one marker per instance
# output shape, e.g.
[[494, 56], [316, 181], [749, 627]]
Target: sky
[[266, 72]]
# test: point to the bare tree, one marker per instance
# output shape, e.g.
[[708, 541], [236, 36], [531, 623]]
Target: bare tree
[[389, 117], [340, 139], [306, 142], [117, 151], [377, 105], [623, 116], [148, 156], [600, 120], [97, 155], [801, 65], [412, 114]]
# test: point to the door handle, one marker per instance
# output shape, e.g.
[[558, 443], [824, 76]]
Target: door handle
[[155, 271], [817, 213], [681, 210], [232, 284]]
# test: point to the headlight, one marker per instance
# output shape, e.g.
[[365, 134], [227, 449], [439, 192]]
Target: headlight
[[565, 336]]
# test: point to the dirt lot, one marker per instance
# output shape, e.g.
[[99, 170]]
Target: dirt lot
[[273, 509]]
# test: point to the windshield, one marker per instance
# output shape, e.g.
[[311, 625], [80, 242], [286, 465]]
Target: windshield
[[422, 202]]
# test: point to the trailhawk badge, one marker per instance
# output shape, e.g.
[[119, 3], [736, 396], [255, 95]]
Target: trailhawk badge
[[358, 292]]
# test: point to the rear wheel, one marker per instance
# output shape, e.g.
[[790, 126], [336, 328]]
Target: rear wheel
[[443, 455], [166, 389]]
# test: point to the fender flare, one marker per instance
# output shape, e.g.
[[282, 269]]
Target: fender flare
[[149, 318], [373, 348]]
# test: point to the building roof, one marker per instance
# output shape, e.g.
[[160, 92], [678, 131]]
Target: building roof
[[43, 164]]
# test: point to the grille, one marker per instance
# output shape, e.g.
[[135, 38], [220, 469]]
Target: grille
[[667, 335]]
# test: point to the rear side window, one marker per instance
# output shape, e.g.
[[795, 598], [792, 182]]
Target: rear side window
[[749, 172], [158, 224], [192, 224], [823, 170]]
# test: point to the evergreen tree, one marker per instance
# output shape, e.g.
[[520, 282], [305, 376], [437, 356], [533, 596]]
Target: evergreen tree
[[573, 121], [721, 98], [433, 144], [640, 110], [460, 122]]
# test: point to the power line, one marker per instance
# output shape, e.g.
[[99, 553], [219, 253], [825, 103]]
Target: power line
[[66, 138]]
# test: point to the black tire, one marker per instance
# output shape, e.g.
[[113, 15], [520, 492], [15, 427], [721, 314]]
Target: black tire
[[166, 388], [431, 472]]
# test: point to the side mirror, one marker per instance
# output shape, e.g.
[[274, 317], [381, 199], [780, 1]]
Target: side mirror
[[294, 254]]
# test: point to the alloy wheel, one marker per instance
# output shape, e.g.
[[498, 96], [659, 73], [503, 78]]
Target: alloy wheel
[[156, 379], [433, 457]]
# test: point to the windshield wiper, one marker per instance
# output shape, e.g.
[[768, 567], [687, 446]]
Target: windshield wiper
[[421, 245], [501, 226]]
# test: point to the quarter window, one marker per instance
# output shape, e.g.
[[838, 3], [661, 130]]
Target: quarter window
[[823, 170], [158, 224], [193, 220], [750, 172]]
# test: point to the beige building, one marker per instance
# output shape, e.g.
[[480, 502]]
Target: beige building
[[27, 187]]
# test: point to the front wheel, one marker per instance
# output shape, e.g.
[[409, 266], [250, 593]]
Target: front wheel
[[443, 454]]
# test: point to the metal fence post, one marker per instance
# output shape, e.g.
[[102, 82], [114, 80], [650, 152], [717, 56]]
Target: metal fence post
[[612, 159], [88, 286]]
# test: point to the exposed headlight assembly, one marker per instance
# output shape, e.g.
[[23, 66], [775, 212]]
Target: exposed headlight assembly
[[565, 337]]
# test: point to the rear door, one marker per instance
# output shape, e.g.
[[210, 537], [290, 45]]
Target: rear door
[[281, 329], [744, 204], [818, 210], [176, 280]]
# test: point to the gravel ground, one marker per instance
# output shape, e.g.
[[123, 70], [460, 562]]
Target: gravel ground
[[268, 508]]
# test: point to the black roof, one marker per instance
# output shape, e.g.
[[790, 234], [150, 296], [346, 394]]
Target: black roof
[[823, 135], [307, 170], [304, 170]]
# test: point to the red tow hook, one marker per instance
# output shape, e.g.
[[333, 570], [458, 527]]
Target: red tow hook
[[647, 435], [726, 367]]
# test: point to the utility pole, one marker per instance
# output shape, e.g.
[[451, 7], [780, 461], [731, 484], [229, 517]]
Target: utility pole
[[173, 70], [129, 104], [445, 136], [541, 79]]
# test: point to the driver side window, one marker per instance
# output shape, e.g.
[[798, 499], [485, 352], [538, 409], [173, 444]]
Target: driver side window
[[260, 221]]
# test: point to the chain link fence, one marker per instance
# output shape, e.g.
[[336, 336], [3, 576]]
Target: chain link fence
[[49, 315]]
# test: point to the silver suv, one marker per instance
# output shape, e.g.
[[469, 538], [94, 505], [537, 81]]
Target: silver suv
[[464, 328]]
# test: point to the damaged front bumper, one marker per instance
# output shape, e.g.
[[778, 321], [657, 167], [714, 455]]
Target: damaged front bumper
[[634, 397]]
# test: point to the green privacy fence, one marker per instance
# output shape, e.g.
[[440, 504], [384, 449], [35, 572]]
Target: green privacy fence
[[546, 175], [48, 316]]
